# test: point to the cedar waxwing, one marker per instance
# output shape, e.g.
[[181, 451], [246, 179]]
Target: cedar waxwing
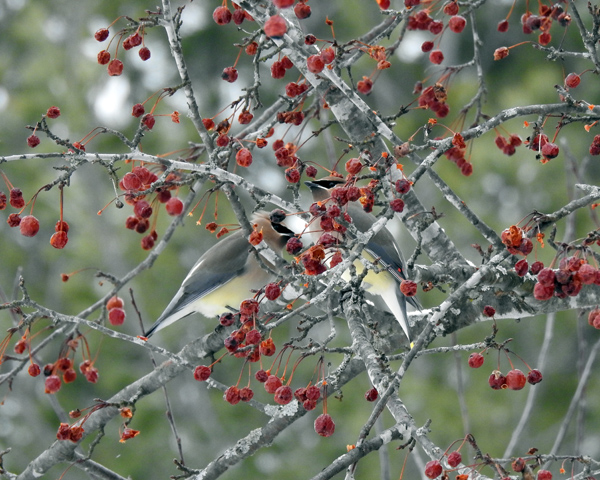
[[225, 275], [381, 250]]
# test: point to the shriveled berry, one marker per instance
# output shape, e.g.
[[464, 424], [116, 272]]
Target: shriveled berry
[[476, 360], [489, 311], [536, 267], [148, 120], [232, 395], [103, 57], [272, 291], [324, 425], [408, 288], [436, 57], [313, 393], [201, 373], [101, 34], [502, 26], [13, 220], [457, 23], [283, 395], [222, 15], [354, 166], [497, 380], [16, 199], [230, 74], [246, 393], [522, 267], [544, 475], [142, 209], [433, 469], [115, 67], [550, 150], [261, 376], [34, 370], [29, 226], [402, 186], [267, 347], [454, 459], [33, 140], [543, 292], [365, 85], [534, 376], [53, 112], [293, 246]]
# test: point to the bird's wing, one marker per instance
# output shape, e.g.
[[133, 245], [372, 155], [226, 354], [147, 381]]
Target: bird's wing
[[217, 267]]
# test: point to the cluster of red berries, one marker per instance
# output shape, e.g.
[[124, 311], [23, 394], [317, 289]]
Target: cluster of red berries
[[434, 468], [33, 140], [63, 371], [515, 379], [519, 465], [116, 313], [508, 145], [434, 98], [115, 66], [542, 22], [73, 433], [139, 180], [540, 143], [567, 280], [423, 21]]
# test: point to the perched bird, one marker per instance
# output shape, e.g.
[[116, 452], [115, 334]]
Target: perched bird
[[225, 275], [381, 250]]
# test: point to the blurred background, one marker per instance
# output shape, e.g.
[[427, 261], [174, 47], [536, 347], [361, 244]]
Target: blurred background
[[49, 58]]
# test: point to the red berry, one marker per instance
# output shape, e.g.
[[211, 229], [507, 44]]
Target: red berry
[[515, 379], [397, 205], [13, 220], [114, 302], [59, 239], [246, 394], [550, 150], [174, 206], [324, 425], [457, 23], [131, 181], [433, 469], [450, 7], [275, 27], [222, 15], [572, 80], [292, 175], [142, 209], [103, 57], [253, 337], [283, 395], [328, 55], [476, 360], [503, 26], [402, 186], [267, 347], [384, 4], [489, 311], [544, 475], [115, 67], [261, 376], [3, 200], [365, 85], [201, 373], [34, 370], [497, 380], [69, 376], [436, 57], [302, 10], [427, 46], [546, 277], [293, 245], [149, 121], [16, 198], [313, 393], [33, 140], [29, 226], [116, 316], [543, 292], [52, 384], [408, 288], [454, 459], [277, 70], [371, 395], [283, 3], [101, 34], [243, 157], [144, 53], [232, 395], [208, 123], [53, 112], [534, 376], [354, 166], [315, 64], [272, 291], [148, 242], [522, 267], [536, 267], [230, 74], [272, 383]]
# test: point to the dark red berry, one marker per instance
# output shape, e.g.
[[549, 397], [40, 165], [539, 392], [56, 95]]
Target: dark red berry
[[33, 140], [103, 57], [534, 376], [144, 53], [222, 15], [433, 469], [497, 380], [324, 425], [454, 459], [201, 373], [230, 74], [101, 34], [371, 395]]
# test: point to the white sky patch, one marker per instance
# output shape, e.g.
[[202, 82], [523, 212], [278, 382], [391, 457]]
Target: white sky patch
[[194, 18], [4, 98], [410, 48], [110, 102]]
